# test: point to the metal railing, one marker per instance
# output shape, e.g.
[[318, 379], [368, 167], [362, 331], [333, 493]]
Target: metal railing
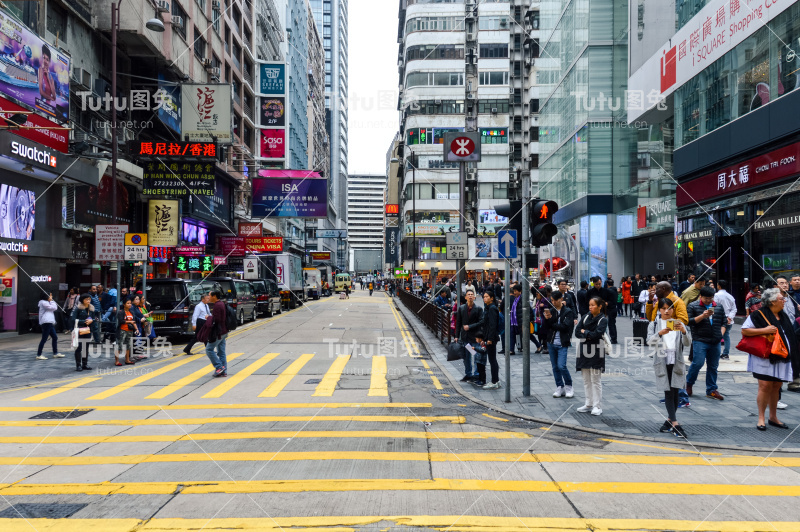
[[436, 319]]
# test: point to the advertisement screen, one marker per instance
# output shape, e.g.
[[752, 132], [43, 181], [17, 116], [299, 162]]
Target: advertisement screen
[[273, 145], [290, 197], [491, 217], [32, 72], [273, 111], [18, 213]]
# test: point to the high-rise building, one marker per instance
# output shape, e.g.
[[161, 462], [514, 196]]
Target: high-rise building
[[587, 154], [331, 18], [365, 220], [463, 66]]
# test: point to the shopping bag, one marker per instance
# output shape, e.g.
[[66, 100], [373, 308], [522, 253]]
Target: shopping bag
[[75, 336]]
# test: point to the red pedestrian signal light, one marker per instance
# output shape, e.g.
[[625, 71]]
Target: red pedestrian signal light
[[542, 228]]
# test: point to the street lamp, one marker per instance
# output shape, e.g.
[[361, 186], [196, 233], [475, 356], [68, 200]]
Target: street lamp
[[153, 25]]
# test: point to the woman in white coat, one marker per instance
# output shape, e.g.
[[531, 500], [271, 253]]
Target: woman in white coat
[[669, 337]]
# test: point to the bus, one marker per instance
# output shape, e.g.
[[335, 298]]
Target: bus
[[342, 280]]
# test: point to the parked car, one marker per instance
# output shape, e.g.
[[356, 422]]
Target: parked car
[[268, 297], [239, 294], [172, 303]]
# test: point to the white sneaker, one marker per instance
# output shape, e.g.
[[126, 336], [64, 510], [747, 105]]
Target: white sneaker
[[782, 405], [58, 355], [41, 357], [585, 408], [559, 392], [569, 392], [596, 411], [490, 386]]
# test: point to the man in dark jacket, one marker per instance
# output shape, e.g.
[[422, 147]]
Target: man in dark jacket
[[686, 284], [569, 298], [637, 287], [707, 321], [217, 330], [560, 323], [609, 295], [583, 299], [469, 322]]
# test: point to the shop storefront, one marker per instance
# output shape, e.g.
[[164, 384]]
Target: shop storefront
[[742, 221], [646, 235], [35, 246]]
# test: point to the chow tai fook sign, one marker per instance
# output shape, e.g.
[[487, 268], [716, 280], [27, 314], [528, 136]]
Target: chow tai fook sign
[[718, 28], [290, 193], [239, 246], [764, 169], [206, 112], [33, 73]]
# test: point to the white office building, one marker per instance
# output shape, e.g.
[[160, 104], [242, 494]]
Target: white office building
[[365, 221]]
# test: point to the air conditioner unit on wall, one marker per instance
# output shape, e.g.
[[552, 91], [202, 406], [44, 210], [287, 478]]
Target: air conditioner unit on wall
[[163, 6], [215, 4], [82, 77], [214, 72], [494, 110], [177, 22], [207, 63]]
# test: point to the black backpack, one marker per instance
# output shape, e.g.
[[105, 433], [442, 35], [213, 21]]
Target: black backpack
[[230, 318]]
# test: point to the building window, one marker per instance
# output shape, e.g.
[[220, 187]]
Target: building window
[[436, 107], [493, 191], [439, 79], [177, 11], [57, 21], [492, 51], [493, 106], [493, 23], [434, 24], [429, 135], [435, 51], [199, 45], [493, 78]]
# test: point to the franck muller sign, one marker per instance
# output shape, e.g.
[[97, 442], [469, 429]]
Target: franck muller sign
[[777, 222]]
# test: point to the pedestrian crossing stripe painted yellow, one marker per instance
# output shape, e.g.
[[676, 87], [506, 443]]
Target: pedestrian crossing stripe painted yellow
[[142, 378], [390, 484], [61, 389], [215, 406], [328, 383], [390, 456], [454, 523], [187, 380], [378, 385], [275, 434], [237, 378], [282, 380], [231, 419]]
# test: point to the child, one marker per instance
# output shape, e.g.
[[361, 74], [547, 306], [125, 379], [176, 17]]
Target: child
[[480, 359]]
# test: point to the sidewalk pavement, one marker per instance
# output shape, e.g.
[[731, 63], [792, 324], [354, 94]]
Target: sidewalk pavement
[[630, 399]]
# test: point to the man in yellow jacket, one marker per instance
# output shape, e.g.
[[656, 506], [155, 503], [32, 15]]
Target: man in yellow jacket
[[664, 290], [691, 294]]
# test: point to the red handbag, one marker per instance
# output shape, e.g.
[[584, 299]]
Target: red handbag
[[758, 346]]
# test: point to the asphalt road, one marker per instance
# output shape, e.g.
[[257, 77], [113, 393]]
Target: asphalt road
[[332, 419]]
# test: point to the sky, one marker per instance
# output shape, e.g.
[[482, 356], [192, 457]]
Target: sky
[[373, 81]]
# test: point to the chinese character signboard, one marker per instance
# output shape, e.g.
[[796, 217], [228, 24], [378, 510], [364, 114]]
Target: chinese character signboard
[[714, 31], [204, 263], [109, 242], [178, 179], [173, 151], [290, 193], [162, 227], [33, 73], [273, 143], [773, 166], [272, 79], [250, 229], [238, 246], [273, 112], [160, 253], [206, 112]]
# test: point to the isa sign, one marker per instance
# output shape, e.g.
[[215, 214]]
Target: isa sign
[[290, 197], [272, 79]]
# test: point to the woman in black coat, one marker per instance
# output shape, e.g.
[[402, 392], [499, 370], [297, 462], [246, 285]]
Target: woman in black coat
[[591, 354], [83, 312], [491, 335]]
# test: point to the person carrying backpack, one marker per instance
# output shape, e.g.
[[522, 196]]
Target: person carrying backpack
[[215, 332]]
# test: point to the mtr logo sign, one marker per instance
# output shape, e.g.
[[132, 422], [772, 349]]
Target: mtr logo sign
[[32, 153]]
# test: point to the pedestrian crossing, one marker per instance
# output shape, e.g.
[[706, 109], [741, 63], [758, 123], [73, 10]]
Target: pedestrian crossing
[[201, 376]]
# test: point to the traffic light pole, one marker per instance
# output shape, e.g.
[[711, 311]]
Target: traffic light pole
[[526, 303], [509, 340], [462, 183]]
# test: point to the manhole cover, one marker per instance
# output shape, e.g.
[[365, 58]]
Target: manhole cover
[[618, 423], [313, 381], [62, 414], [41, 511]]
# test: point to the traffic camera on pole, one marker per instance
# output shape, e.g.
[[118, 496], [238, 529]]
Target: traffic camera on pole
[[542, 228]]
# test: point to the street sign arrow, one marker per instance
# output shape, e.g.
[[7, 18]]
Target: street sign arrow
[[508, 244]]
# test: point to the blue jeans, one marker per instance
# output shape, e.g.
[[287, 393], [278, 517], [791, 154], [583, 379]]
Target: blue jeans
[[558, 359], [48, 330], [703, 353], [215, 351], [107, 315], [727, 337], [470, 368]]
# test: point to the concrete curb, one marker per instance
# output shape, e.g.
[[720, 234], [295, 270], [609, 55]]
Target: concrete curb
[[454, 382]]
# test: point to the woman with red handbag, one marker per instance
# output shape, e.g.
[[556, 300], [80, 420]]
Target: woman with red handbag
[[768, 336]]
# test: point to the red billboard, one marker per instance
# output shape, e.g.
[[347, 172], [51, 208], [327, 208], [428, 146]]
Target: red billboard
[[46, 132], [273, 143], [239, 246]]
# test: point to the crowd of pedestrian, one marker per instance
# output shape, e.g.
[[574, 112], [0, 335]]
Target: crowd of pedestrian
[[687, 326]]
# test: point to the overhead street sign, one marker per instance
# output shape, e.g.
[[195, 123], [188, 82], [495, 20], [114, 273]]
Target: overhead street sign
[[462, 147], [457, 246], [507, 244]]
